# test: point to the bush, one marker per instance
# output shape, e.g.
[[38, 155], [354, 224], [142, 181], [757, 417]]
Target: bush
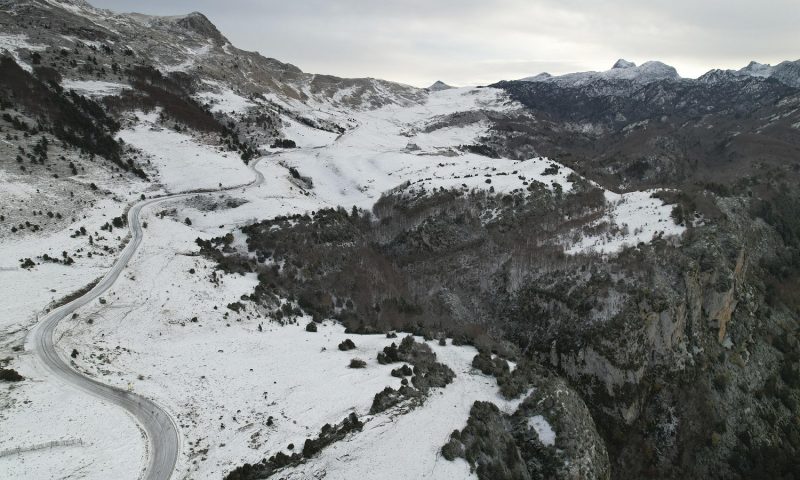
[[404, 371], [284, 143], [453, 448], [358, 363], [236, 306], [10, 375], [311, 327], [347, 345]]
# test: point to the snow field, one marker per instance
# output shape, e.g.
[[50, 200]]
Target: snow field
[[408, 445], [182, 162], [40, 412], [226, 101], [638, 216], [305, 136]]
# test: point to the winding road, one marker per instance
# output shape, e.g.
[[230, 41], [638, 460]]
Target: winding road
[[158, 425]]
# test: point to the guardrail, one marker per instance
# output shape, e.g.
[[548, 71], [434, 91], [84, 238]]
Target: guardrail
[[41, 446]]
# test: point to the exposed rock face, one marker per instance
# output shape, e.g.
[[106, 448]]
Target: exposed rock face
[[198, 23], [580, 448], [551, 435]]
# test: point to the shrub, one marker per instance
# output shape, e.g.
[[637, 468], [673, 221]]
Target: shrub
[[236, 306], [10, 375], [404, 371], [311, 327], [453, 448], [358, 363], [347, 345], [283, 143]]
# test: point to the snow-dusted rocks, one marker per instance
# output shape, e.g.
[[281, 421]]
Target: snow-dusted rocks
[[648, 72]]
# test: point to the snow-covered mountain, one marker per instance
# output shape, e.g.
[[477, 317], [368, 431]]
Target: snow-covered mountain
[[786, 72], [590, 275], [648, 72]]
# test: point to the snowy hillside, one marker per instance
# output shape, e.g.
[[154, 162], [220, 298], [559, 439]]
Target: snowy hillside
[[219, 266], [164, 330]]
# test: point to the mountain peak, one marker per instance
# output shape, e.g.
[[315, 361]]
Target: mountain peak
[[756, 69], [622, 63], [197, 22], [439, 85], [538, 78]]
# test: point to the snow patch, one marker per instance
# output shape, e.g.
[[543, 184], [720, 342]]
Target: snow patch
[[633, 218], [543, 429], [14, 43], [226, 101], [94, 88]]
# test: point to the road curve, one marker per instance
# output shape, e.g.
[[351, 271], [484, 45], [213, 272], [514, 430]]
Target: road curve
[[158, 425]]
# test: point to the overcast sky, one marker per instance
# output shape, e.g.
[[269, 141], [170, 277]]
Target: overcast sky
[[470, 42]]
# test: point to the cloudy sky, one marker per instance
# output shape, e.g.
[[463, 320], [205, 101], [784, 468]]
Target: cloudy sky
[[469, 42]]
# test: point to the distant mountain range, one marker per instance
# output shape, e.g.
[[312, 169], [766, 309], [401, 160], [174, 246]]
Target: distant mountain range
[[787, 72]]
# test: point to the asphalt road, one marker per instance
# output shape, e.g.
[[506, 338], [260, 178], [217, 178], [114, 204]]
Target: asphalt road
[[158, 425]]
